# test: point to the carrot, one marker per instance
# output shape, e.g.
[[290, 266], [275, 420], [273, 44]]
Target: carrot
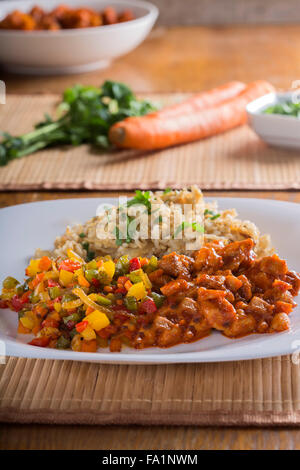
[[152, 132], [204, 100]]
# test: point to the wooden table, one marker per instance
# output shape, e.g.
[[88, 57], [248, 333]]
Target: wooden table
[[178, 59]]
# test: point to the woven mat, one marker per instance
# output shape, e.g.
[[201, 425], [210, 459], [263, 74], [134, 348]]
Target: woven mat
[[259, 392], [235, 160]]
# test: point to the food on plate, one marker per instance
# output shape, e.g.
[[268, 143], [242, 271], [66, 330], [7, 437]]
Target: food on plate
[[144, 302], [85, 115], [111, 117], [164, 129], [63, 17], [92, 292], [287, 108], [221, 225]]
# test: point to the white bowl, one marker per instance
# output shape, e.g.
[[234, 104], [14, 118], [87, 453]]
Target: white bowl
[[275, 129], [73, 50]]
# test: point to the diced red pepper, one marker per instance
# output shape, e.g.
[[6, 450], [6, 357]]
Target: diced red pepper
[[50, 322], [121, 290], [17, 303], [134, 264], [81, 326], [52, 283], [3, 304], [95, 282], [42, 341], [25, 297], [69, 265], [148, 306]]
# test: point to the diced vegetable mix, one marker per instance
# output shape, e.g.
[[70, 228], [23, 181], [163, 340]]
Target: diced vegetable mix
[[72, 303]]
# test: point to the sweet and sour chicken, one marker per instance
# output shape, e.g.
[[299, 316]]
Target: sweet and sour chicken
[[143, 302]]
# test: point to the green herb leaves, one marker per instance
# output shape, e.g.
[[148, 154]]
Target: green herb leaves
[[141, 197], [287, 108], [213, 215], [86, 114], [196, 228]]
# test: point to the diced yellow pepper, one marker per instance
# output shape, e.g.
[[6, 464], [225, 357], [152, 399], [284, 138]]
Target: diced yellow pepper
[[137, 290], [65, 277], [57, 306], [44, 296], [109, 268], [33, 267], [88, 333], [72, 255], [28, 320], [144, 277], [97, 320], [51, 275]]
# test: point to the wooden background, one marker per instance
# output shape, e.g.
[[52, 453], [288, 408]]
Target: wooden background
[[209, 12], [173, 60]]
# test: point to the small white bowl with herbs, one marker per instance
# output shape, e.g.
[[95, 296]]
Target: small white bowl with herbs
[[276, 118]]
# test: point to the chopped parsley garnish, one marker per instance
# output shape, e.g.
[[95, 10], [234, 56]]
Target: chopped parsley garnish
[[141, 197], [196, 227], [82, 235], [167, 190], [214, 215], [287, 108]]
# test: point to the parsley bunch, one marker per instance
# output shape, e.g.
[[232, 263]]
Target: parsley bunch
[[86, 115]]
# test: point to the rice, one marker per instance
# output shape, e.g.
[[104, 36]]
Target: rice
[[218, 225]]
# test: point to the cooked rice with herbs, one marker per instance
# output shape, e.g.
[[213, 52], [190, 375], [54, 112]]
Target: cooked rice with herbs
[[218, 225]]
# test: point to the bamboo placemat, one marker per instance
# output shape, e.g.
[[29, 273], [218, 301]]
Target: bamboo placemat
[[259, 392], [235, 160]]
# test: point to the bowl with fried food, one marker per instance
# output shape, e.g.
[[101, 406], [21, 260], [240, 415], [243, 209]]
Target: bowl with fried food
[[52, 38]]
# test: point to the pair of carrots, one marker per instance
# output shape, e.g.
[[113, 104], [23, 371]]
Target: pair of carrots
[[203, 115]]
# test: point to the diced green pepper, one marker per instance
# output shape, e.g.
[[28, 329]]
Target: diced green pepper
[[152, 265], [20, 290], [91, 274], [73, 333], [131, 303], [10, 283], [54, 292], [75, 317], [111, 297], [158, 299], [34, 299], [63, 343], [135, 276], [91, 265], [102, 300], [122, 266], [68, 298]]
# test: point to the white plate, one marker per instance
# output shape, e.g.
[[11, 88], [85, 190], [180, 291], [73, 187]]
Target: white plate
[[275, 129], [73, 50], [28, 226]]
